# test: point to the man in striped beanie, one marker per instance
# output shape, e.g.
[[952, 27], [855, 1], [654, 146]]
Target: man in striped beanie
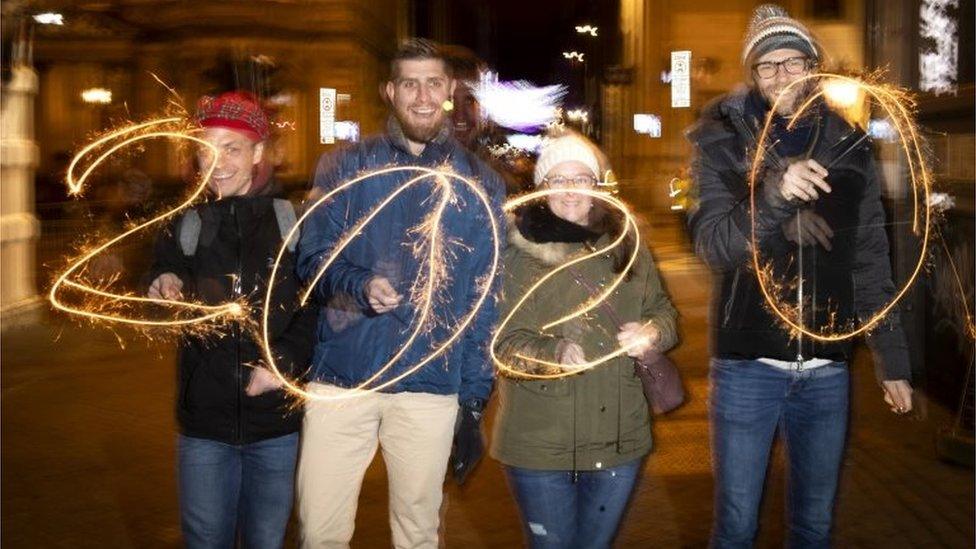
[[776, 47], [766, 376]]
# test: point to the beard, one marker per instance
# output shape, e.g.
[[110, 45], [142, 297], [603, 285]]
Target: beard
[[788, 104], [423, 132]]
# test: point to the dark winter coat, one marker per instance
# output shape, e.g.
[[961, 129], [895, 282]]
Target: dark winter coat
[[844, 286], [238, 242]]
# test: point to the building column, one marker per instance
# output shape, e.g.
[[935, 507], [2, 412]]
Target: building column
[[19, 228]]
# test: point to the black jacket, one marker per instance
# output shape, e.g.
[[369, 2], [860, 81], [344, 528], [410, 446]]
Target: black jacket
[[239, 239], [842, 287]]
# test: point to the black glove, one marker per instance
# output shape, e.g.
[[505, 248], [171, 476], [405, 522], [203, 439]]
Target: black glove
[[469, 443]]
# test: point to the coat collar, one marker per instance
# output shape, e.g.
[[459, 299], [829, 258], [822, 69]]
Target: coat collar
[[398, 139], [549, 253]]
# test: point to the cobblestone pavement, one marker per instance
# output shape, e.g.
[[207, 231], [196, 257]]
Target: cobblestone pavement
[[88, 446]]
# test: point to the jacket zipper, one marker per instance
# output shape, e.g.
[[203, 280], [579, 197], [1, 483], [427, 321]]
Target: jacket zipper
[[743, 127], [575, 441], [799, 300], [728, 304], [239, 369]]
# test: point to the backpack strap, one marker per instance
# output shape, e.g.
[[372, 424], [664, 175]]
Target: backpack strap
[[189, 232], [191, 225], [287, 219]]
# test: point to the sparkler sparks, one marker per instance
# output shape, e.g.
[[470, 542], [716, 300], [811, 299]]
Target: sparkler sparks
[[563, 370], [104, 305], [896, 104], [424, 290]]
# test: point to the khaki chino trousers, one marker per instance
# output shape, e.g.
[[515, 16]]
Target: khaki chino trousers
[[339, 440]]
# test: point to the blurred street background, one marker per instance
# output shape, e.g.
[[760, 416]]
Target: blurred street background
[[88, 434]]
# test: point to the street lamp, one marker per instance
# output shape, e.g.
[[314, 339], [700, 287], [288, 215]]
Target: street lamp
[[97, 96], [49, 18], [578, 115], [586, 29], [573, 55]]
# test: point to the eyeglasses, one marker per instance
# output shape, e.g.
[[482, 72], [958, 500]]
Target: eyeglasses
[[793, 65], [575, 182]]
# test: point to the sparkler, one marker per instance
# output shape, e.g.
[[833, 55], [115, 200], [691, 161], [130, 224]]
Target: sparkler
[[896, 104], [104, 305], [564, 370], [424, 290]]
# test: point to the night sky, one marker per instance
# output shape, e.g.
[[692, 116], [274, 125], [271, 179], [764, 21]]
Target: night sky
[[524, 39]]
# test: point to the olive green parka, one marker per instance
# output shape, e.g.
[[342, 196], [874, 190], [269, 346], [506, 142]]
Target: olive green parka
[[589, 421]]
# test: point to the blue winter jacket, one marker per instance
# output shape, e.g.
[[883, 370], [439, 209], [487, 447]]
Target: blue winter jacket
[[353, 341]]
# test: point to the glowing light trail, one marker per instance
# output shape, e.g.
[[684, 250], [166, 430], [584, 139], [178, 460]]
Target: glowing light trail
[[101, 309], [435, 274], [893, 101], [593, 302]]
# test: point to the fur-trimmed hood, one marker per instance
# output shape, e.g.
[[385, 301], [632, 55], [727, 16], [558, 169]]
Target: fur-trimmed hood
[[549, 253]]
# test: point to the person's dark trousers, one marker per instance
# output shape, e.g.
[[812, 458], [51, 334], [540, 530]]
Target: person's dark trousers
[[560, 512], [229, 491], [749, 401]]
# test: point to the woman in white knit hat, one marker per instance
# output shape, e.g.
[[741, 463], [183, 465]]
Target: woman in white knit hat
[[573, 447]]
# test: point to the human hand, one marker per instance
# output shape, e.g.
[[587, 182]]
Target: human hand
[[898, 395], [262, 381], [381, 295], [802, 179], [166, 286], [638, 338], [811, 229], [569, 353]]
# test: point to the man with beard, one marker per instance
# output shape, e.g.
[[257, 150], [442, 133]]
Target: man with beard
[[819, 225], [371, 308]]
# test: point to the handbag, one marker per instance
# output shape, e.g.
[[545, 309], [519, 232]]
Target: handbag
[[658, 375]]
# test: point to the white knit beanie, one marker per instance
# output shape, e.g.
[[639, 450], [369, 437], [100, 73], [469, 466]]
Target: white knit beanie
[[564, 149]]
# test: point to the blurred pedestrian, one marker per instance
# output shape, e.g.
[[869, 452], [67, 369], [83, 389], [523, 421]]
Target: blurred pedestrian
[[472, 128]]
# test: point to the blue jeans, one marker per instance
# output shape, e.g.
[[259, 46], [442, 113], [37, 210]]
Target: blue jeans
[[229, 491], [749, 401], [558, 512]]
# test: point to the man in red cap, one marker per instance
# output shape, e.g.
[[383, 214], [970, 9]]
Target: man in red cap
[[238, 437], [236, 125]]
